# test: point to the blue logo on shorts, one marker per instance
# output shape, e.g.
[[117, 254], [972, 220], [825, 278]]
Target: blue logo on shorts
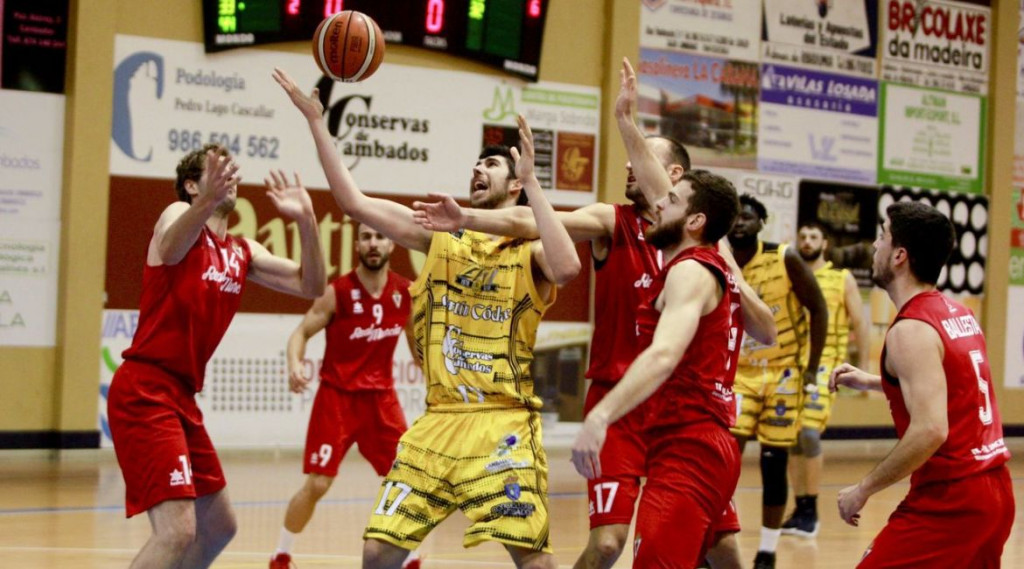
[[780, 408], [815, 395], [512, 489]]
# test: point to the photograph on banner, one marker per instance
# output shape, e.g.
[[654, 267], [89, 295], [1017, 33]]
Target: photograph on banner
[[938, 44], [838, 36], [708, 104], [931, 139], [395, 140], [722, 29], [849, 214], [33, 45], [1014, 370], [819, 125], [1017, 238], [777, 193], [964, 273]]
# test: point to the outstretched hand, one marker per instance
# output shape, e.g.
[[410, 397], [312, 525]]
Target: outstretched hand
[[309, 105], [524, 162], [291, 199], [219, 176], [443, 214], [626, 101]]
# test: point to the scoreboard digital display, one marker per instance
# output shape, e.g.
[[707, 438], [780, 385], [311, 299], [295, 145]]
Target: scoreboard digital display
[[503, 33]]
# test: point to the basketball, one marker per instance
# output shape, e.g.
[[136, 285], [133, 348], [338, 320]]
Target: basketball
[[348, 46]]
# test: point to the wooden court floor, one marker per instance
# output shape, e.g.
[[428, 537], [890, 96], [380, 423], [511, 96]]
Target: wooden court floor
[[67, 512]]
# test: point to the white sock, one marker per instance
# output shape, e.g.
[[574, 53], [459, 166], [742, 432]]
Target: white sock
[[769, 539], [284, 543]]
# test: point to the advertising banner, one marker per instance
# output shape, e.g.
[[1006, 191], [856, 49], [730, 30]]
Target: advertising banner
[[1014, 370], [839, 36], [31, 166], [1017, 238], [937, 44], [723, 28], [405, 131], [850, 215], [819, 125], [777, 193], [933, 139]]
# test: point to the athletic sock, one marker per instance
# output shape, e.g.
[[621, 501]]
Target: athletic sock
[[284, 543], [769, 539]]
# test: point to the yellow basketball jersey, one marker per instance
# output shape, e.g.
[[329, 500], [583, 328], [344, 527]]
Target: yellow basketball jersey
[[476, 311], [833, 286], [766, 274]]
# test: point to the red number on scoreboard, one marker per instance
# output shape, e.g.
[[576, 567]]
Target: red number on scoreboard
[[533, 10], [294, 7], [332, 7], [435, 16]]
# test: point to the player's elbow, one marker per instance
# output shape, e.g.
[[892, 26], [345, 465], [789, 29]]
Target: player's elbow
[[767, 333], [567, 270]]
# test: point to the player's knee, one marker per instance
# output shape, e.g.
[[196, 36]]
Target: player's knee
[[378, 554], [773, 475], [318, 485], [810, 442], [178, 536], [609, 544]]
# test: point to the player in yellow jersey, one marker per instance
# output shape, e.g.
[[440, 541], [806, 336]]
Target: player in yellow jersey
[[476, 307], [845, 314], [770, 379]]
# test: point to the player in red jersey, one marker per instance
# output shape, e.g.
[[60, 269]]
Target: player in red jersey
[[191, 288], [690, 329], [936, 376], [364, 312]]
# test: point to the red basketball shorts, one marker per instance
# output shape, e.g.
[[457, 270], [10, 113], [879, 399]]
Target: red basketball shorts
[[613, 496], [159, 438], [955, 524], [692, 474], [371, 419]]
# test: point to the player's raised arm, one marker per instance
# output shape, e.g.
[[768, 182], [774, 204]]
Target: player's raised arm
[[390, 218], [309, 277], [181, 223], [559, 261], [445, 214], [651, 176]]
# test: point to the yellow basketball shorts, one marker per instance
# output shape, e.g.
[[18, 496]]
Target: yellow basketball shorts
[[818, 403], [489, 464], [768, 402]]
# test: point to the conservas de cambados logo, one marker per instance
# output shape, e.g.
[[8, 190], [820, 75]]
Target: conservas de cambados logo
[[359, 131]]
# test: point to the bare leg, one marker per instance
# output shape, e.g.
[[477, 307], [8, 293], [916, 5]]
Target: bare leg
[[215, 526], [725, 553], [529, 559], [604, 547], [303, 503], [382, 555], [174, 530]]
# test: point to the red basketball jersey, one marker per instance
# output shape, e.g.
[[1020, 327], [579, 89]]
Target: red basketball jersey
[[975, 440], [186, 308], [623, 279], [700, 387], [362, 335]]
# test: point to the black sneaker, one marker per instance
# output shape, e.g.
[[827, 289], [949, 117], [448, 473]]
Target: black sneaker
[[764, 560], [791, 523], [806, 526]]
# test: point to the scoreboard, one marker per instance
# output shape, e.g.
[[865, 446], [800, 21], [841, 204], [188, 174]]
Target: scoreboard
[[503, 33]]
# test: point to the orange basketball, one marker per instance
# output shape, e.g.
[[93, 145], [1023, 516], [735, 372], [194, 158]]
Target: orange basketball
[[348, 46]]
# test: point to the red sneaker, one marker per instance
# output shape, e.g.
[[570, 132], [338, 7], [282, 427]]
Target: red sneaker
[[412, 563], [281, 561]]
